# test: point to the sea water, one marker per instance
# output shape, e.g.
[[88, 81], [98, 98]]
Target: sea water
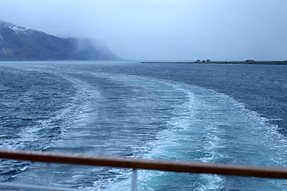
[[190, 112]]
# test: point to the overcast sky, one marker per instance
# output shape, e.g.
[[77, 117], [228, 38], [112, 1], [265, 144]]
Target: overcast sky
[[163, 29]]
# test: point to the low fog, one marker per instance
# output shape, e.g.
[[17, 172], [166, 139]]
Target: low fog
[[163, 29]]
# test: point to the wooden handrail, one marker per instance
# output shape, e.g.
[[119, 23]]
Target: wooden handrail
[[148, 164]]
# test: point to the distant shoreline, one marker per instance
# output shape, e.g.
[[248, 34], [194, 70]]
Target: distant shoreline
[[218, 62]]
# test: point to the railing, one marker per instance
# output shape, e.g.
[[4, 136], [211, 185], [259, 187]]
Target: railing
[[147, 164]]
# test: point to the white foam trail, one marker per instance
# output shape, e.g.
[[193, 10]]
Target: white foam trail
[[205, 127]]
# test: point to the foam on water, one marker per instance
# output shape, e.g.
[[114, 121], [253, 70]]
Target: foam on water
[[173, 120], [210, 127], [60, 120], [47, 133]]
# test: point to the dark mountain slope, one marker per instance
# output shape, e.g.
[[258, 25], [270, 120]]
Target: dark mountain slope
[[20, 43]]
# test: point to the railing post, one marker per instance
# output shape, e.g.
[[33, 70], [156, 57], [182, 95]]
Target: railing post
[[134, 179], [48, 174], [227, 183]]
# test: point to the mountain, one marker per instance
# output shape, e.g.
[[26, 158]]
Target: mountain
[[20, 43]]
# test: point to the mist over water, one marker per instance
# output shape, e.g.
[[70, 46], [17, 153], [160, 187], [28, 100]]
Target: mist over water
[[172, 111], [189, 112], [163, 30]]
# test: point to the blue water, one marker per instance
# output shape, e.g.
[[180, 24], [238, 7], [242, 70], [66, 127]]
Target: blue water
[[191, 112]]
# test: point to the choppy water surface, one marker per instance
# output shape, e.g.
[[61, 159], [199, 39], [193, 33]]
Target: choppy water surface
[[210, 113]]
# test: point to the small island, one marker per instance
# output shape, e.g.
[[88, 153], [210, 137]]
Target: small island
[[208, 61]]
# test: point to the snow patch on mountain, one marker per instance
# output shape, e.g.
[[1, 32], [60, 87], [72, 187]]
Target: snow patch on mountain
[[1, 39], [18, 28], [4, 51], [21, 43]]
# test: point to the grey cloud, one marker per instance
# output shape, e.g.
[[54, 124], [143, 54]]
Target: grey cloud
[[164, 30]]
